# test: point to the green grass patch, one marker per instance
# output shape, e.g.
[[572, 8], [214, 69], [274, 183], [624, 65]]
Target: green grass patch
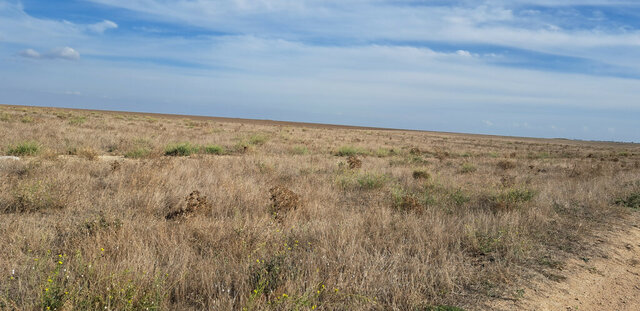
[[384, 152], [371, 181], [180, 150], [77, 120], [27, 119], [27, 148], [5, 117], [258, 139], [137, 153], [349, 151], [213, 149], [300, 150], [365, 181]]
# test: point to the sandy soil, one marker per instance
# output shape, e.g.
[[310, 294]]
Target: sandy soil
[[608, 282]]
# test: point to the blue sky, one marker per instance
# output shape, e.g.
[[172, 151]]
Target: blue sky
[[564, 68]]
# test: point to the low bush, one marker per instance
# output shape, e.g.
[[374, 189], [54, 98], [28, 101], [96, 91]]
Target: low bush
[[421, 174]]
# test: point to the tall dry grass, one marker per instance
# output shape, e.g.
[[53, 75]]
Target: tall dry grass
[[83, 227]]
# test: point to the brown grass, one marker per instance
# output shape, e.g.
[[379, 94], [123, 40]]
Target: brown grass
[[354, 162], [87, 235]]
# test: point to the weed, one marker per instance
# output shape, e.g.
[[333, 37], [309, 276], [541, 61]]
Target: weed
[[267, 276], [27, 148], [180, 149]]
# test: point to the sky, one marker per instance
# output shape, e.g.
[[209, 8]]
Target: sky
[[563, 68]]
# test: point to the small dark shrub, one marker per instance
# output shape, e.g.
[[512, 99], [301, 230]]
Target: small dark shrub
[[506, 165], [631, 201], [421, 174]]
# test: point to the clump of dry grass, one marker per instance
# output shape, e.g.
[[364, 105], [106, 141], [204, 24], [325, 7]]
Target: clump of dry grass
[[506, 165], [283, 201], [404, 201], [354, 162], [194, 203], [87, 153]]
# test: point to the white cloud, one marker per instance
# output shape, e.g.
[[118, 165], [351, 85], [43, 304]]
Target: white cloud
[[102, 26], [463, 53], [64, 53], [487, 122], [57, 53], [30, 53]]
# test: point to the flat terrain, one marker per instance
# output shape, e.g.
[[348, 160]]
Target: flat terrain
[[129, 211]]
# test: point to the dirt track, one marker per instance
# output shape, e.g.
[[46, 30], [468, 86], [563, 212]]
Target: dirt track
[[608, 282]]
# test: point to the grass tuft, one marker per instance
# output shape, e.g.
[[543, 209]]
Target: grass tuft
[[180, 150], [214, 149], [27, 148], [350, 151]]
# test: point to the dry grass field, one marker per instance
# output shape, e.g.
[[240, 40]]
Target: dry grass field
[[124, 211]]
